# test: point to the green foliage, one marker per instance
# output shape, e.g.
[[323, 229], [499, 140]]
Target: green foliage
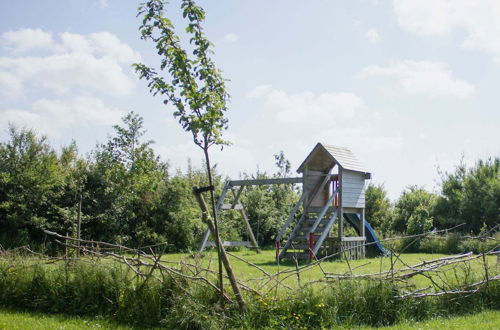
[[420, 221], [193, 84], [33, 188], [123, 187], [378, 207], [470, 197], [413, 212], [452, 243]]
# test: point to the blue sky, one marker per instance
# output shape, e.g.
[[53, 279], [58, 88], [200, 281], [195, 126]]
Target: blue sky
[[409, 86]]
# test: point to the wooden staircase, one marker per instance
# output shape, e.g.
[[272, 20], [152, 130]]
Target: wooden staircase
[[310, 231]]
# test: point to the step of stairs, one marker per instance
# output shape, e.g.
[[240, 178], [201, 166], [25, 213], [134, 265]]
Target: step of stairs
[[299, 239], [298, 255], [306, 237], [299, 246]]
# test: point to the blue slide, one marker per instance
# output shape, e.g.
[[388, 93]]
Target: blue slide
[[371, 237]]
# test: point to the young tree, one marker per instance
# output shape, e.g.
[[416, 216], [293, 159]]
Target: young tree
[[378, 206], [193, 84]]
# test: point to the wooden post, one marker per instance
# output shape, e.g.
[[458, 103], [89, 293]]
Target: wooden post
[[79, 225], [245, 218], [232, 279], [340, 210], [311, 246], [363, 234]]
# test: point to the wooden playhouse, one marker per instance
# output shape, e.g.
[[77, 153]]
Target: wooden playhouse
[[333, 191]]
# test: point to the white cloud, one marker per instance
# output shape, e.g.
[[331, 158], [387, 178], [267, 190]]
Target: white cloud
[[24, 40], [74, 43], [372, 36], [297, 121], [10, 85], [309, 107], [96, 62], [103, 44], [230, 38], [52, 117], [60, 73], [423, 77], [108, 44], [79, 110], [478, 18]]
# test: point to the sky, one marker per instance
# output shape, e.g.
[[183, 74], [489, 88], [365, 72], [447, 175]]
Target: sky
[[411, 87]]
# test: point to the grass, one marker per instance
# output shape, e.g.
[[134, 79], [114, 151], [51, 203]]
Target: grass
[[14, 320], [266, 260], [89, 288], [486, 320], [28, 320]]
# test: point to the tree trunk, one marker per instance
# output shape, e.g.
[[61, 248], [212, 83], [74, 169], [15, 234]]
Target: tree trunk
[[214, 230]]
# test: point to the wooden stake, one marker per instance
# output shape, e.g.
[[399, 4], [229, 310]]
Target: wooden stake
[[232, 279]]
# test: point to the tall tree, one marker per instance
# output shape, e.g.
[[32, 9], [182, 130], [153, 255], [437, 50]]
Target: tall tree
[[193, 84], [31, 188], [471, 196], [122, 185]]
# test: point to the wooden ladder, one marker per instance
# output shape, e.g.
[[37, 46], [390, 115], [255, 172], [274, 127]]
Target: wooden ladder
[[311, 230]]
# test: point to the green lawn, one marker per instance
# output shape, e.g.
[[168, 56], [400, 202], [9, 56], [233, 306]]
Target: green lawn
[[22, 320], [266, 260], [255, 278], [10, 320], [485, 321]]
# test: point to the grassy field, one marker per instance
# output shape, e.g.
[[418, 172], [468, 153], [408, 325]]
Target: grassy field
[[101, 287], [10, 320], [266, 261]]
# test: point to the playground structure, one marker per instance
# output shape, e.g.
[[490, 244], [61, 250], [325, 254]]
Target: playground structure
[[333, 190]]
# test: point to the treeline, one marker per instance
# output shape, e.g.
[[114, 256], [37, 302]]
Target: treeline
[[469, 201], [122, 192]]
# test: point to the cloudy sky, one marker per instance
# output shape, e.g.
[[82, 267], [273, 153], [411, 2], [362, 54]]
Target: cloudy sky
[[409, 86]]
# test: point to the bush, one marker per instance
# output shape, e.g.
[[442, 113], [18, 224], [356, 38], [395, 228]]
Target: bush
[[446, 244]]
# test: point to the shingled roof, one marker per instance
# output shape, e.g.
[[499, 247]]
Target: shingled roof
[[324, 156]]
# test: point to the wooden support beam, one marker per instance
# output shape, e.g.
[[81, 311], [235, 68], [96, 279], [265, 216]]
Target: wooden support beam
[[237, 195], [260, 182], [227, 265], [217, 208], [230, 207], [232, 243], [290, 217], [245, 219]]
